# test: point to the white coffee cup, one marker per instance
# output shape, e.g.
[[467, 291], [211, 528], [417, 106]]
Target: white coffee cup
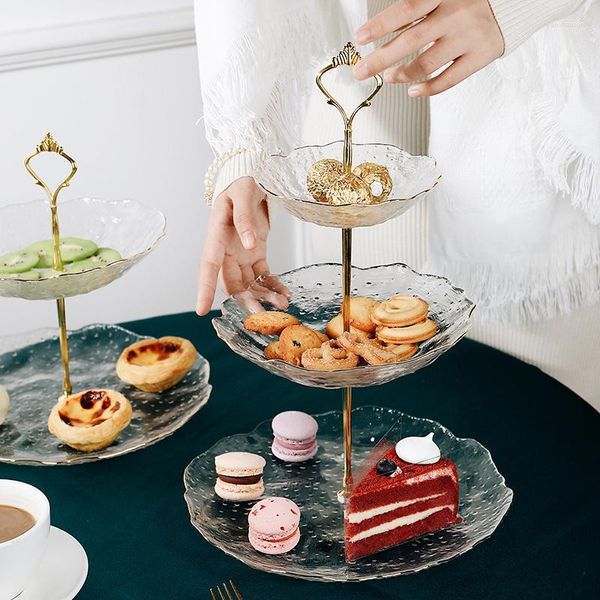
[[21, 556]]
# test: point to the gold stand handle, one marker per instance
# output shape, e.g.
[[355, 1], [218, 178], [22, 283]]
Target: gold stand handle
[[49, 144], [347, 57]]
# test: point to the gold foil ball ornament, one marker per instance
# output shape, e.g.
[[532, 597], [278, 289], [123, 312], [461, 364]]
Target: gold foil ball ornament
[[377, 178], [349, 189], [321, 176]]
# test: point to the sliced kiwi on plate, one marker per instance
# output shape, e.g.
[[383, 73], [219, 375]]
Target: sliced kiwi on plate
[[18, 262], [102, 258], [31, 275], [71, 249]]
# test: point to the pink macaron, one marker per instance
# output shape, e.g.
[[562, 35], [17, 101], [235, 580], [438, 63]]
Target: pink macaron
[[273, 525], [295, 436]]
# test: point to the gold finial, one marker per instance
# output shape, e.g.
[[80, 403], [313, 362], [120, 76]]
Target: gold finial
[[348, 56], [49, 144]]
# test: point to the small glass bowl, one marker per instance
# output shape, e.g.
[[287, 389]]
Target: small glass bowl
[[315, 298], [284, 178], [129, 227]]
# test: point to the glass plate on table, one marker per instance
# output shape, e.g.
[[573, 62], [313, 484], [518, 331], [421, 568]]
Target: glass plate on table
[[283, 177], [313, 485], [30, 369], [316, 298], [129, 227]]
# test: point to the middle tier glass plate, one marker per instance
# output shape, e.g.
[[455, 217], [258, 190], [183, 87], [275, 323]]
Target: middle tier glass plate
[[315, 298], [31, 370]]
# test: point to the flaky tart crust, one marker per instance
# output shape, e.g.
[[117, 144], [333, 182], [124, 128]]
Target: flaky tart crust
[[155, 365], [90, 420]]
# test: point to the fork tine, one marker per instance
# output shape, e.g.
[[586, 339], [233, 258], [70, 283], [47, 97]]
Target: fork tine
[[220, 593], [212, 594], [229, 596], [237, 592]]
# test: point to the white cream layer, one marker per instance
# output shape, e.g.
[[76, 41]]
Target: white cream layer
[[399, 522], [442, 472], [359, 517]]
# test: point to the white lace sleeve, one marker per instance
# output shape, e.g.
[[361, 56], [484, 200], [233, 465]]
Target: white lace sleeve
[[256, 62]]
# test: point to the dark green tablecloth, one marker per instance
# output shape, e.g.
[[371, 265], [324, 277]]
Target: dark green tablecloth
[[130, 515]]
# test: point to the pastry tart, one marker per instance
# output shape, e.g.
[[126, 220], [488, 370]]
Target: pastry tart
[[90, 420], [155, 365]]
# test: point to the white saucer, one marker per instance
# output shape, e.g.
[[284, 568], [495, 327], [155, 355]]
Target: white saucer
[[63, 570]]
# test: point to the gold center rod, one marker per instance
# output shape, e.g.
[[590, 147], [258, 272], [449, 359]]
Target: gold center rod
[[347, 393]]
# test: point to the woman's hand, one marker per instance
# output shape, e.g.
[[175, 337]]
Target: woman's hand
[[461, 32], [236, 244]]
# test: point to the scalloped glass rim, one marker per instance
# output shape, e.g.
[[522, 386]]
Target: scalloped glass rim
[[67, 284], [272, 178], [177, 405], [229, 328], [493, 501]]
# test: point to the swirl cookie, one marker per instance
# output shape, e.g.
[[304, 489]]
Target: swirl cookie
[[295, 340], [419, 332], [269, 322], [329, 357], [400, 311], [321, 176]]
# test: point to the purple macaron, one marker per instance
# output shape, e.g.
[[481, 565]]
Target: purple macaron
[[295, 436]]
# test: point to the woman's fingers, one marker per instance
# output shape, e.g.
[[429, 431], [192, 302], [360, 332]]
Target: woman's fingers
[[246, 197], [406, 43], [441, 53], [459, 70], [211, 262], [393, 18]]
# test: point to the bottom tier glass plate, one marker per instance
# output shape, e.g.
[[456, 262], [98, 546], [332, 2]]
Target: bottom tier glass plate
[[30, 368], [313, 485]]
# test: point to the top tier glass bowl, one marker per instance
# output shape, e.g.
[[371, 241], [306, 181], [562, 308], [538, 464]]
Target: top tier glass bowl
[[284, 178], [315, 298], [125, 225]]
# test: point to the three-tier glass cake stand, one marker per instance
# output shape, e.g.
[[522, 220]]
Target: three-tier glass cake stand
[[316, 294], [38, 367]]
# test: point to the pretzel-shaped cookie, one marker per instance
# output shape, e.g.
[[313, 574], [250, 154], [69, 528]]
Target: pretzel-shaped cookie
[[370, 350], [400, 311], [329, 357]]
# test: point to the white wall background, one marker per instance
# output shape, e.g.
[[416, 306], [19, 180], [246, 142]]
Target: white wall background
[[116, 82]]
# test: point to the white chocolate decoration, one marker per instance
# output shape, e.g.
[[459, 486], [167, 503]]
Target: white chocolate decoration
[[418, 450], [4, 404]]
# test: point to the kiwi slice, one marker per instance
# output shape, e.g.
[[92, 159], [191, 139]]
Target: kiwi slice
[[102, 258], [46, 273], [24, 276], [71, 249], [18, 262]]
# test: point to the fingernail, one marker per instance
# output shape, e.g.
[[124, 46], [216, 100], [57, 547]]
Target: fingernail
[[362, 35], [248, 240], [415, 90], [361, 70], [388, 77]]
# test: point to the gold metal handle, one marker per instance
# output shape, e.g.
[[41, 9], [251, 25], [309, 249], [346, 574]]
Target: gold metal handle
[[349, 56], [49, 144]]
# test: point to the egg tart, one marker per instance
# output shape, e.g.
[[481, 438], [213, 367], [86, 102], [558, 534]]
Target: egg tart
[[155, 365], [90, 420]]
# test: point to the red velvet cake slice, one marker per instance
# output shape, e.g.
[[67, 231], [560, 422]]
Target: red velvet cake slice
[[398, 500]]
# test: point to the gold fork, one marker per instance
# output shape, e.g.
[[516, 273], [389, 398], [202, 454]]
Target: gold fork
[[221, 596]]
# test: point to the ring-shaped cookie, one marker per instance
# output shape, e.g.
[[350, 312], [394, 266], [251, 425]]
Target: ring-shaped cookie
[[419, 332], [370, 350], [329, 357], [400, 311]]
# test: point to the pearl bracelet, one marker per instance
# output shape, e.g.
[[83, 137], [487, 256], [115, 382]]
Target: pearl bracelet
[[213, 171]]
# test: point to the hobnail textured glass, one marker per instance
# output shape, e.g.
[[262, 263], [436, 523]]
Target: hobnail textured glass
[[316, 298], [31, 371], [313, 485], [125, 225], [284, 178]]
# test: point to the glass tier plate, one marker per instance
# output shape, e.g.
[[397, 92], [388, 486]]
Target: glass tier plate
[[30, 369], [313, 485], [284, 178], [315, 298], [129, 227]]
